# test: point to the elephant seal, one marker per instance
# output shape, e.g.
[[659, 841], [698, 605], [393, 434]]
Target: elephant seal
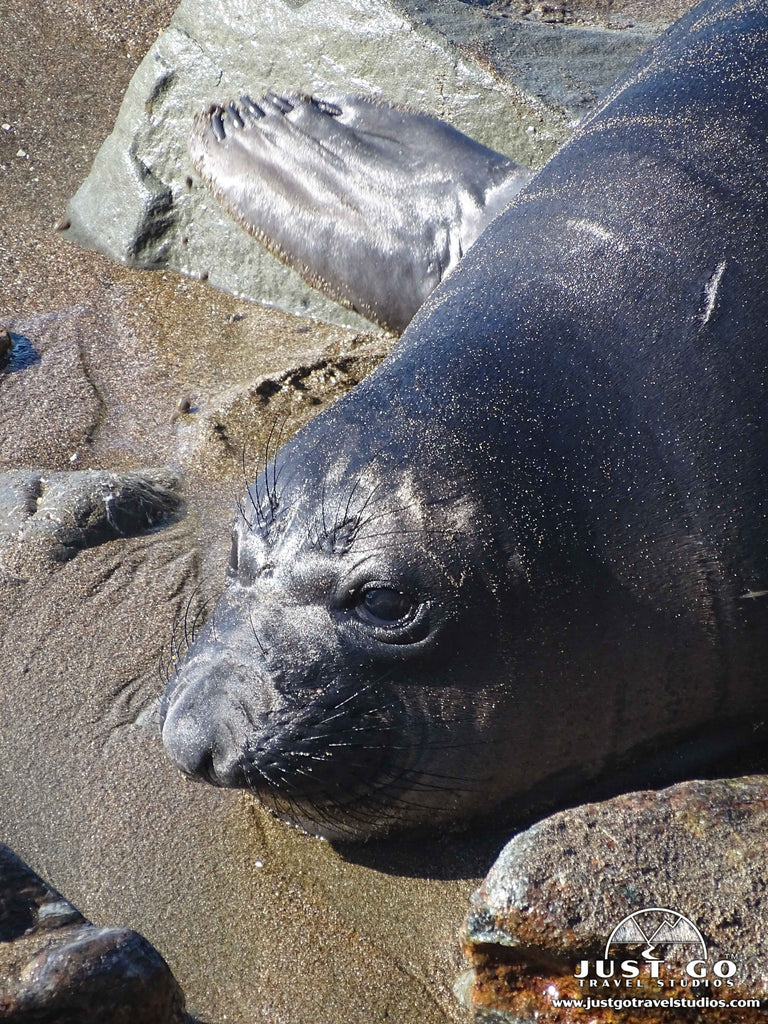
[[532, 546]]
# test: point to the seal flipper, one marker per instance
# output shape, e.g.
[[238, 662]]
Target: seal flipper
[[371, 203]]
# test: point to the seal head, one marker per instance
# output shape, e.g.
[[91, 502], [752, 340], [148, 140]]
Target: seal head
[[323, 681]]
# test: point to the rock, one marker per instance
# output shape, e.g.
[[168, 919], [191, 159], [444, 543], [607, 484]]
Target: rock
[[52, 516], [286, 399], [58, 968], [559, 890], [506, 74]]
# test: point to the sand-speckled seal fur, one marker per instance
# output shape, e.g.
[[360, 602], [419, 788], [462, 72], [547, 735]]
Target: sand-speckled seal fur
[[533, 544]]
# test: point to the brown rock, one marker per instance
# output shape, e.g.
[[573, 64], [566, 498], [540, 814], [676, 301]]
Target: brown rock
[[57, 967], [557, 892]]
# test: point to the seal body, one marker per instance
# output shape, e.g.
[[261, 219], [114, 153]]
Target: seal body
[[533, 545]]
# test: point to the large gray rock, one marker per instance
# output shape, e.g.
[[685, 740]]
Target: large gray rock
[[504, 74], [557, 892]]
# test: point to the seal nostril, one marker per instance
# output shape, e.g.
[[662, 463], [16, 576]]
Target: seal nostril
[[198, 765], [204, 768]]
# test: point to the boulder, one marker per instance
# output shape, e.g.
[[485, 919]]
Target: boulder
[[58, 968], [676, 876]]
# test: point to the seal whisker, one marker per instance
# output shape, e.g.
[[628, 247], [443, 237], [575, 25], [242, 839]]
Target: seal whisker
[[255, 634], [246, 482], [320, 813], [199, 620], [338, 521], [175, 642], [324, 536], [448, 785], [189, 634], [261, 521], [398, 510], [276, 470], [271, 496], [374, 490], [343, 825], [329, 719], [358, 693], [333, 713], [348, 806], [368, 688], [164, 662], [394, 798], [374, 727], [354, 743], [252, 767], [357, 516], [242, 514], [346, 802], [252, 488], [350, 496]]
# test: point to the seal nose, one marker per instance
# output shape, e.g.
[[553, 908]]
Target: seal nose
[[194, 747], [184, 745], [204, 727]]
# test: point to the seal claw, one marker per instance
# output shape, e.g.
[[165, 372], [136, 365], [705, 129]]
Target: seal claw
[[234, 113], [250, 106], [326, 107], [217, 124], [282, 103]]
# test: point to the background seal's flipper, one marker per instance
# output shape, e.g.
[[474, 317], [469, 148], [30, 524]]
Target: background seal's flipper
[[371, 203]]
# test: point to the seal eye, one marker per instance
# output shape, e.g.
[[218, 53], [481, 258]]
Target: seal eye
[[384, 606]]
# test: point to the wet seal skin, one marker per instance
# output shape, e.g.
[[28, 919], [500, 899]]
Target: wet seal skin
[[532, 547]]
